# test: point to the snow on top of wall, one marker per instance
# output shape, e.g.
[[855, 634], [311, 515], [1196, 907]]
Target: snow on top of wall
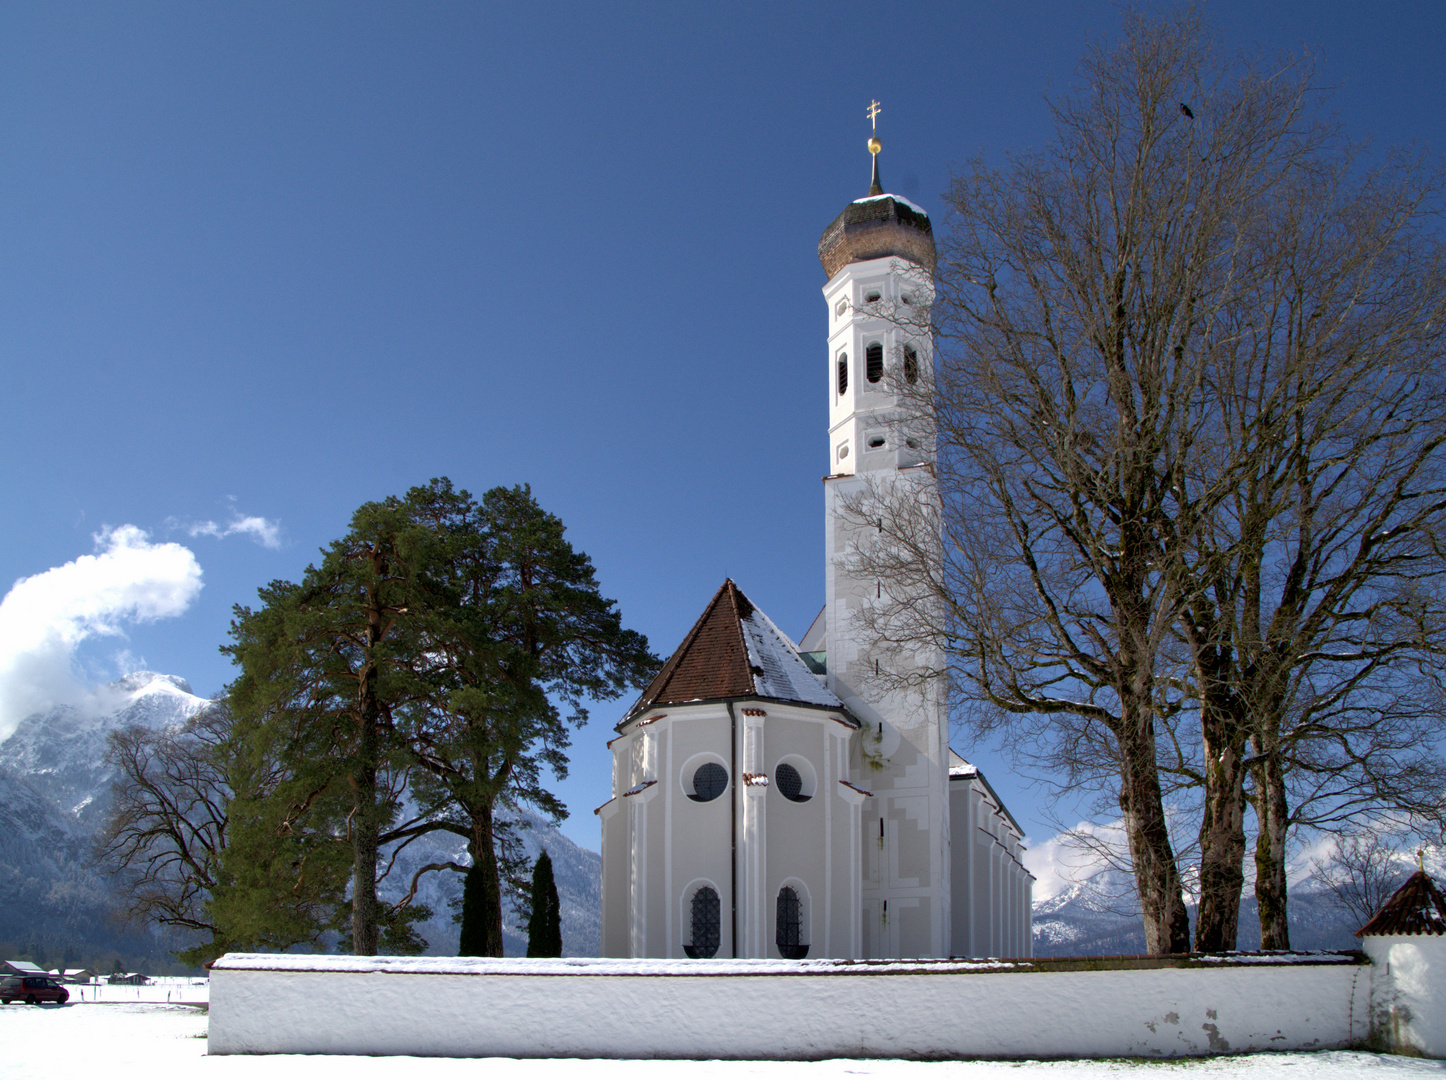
[[591, 965], [617, 967], [1276, 958], [784, 674]]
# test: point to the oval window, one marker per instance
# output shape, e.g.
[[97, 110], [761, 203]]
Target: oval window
[[709, 781], [872, 296], [840, 308]]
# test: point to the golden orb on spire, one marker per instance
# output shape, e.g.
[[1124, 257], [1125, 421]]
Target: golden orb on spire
[[874, 145]]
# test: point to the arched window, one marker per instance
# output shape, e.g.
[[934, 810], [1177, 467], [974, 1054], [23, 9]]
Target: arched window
[[843, 372], [789, 937], [911, 364], [704, 923], [709, 781], [874, 362]]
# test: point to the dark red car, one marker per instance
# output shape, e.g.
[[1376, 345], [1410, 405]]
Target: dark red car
[[32, 989]]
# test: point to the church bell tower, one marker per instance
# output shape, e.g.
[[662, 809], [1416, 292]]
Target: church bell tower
[[879, 256]]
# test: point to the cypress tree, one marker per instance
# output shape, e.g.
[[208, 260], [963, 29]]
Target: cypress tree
[[544, 925], [474, 899]]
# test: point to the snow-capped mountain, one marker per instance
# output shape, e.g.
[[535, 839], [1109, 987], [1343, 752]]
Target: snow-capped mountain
[[1093, 917], [61, 753], [54, 792], [55, 795]]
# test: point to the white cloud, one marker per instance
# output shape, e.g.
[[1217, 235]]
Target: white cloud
[[1071, 858], [44, 619], [265, 532]]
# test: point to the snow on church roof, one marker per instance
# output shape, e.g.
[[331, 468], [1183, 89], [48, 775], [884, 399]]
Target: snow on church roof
[[734, 651]]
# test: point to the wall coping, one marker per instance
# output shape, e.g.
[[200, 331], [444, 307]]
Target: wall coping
[[625, 968]]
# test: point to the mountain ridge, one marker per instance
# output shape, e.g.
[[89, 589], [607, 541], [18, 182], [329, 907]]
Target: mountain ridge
[[55, 796]]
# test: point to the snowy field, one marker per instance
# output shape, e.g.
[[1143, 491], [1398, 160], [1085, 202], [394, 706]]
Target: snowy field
[[143, 1041], [163, 991]]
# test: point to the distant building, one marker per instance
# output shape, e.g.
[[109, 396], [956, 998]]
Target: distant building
[[21, 967], [128, 978], [769, 798]]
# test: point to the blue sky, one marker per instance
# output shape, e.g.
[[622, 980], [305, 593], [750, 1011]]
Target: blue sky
[[260, 263]]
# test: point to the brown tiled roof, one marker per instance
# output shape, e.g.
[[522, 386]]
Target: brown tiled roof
[[1417, 908], [713, 662]]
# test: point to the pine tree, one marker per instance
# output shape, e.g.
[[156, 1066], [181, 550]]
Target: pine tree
[[544, 926]]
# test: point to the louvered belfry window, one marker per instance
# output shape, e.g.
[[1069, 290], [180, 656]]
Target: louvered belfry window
[[911, 364], [790, 925], [705, 924], [874, 362], [843, 373]]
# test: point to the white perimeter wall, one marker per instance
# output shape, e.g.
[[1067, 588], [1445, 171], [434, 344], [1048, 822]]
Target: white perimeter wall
[[772, 1009]]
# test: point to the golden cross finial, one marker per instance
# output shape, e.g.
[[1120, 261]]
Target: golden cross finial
[[874, 111]]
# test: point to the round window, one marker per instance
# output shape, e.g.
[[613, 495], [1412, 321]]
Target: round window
[[790, 783], [709, 781]]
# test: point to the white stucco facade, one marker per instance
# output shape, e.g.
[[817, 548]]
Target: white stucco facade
[[747, 844]]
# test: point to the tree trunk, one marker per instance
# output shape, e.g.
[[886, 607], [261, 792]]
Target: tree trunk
[[1222, 850], [482, 894], [1272, 814], [366, 826], [472, 941], [365, 830], [1222, 824], [1167, 924]]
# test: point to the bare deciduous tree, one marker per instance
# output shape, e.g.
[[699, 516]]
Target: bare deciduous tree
[[1189, 447], [1363, 871], [167, 824]]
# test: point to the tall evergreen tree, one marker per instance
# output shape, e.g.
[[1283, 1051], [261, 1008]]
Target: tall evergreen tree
[[544, 925], [518, 626], [327, 666], [432, 644]]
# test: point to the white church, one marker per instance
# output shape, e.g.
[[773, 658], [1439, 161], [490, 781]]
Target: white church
[[769, 800]]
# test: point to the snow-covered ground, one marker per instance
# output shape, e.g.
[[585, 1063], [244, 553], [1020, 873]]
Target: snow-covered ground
[[143, 1041]]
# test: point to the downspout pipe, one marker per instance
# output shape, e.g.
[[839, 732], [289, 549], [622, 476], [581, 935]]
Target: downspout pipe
[[733, 860]]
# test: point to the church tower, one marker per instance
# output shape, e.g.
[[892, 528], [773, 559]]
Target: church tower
[[879, 256], [788, 802]]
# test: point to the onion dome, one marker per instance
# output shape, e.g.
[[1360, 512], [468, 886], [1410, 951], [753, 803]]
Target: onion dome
[[877, 226]]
